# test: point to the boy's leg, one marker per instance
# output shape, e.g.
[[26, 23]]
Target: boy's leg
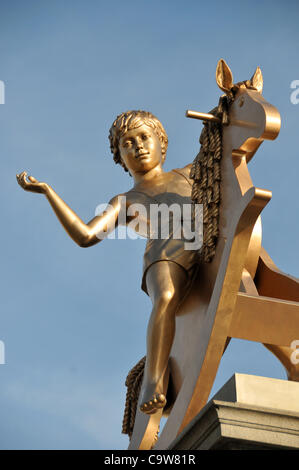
[[167, 283]]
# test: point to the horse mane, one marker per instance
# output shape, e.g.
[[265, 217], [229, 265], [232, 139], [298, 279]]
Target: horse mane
[[206, 175]]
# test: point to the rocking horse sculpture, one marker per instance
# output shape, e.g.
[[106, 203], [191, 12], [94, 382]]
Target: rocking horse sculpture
[[238, 291]]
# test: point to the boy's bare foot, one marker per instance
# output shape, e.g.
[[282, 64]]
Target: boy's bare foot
[[152, 397], [152, 406]]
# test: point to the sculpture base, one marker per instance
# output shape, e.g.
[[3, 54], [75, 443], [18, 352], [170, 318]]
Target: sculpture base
[[247, 413]]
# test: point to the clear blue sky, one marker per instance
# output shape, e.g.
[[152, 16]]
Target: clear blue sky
[[74, 320]]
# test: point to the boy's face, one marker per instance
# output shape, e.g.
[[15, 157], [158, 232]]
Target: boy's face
[[140, 149]]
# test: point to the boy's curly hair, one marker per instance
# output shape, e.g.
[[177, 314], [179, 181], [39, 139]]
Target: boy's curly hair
[[132, 120]]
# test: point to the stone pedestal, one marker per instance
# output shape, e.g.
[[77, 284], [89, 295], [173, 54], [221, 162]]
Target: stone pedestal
[[247, 413]]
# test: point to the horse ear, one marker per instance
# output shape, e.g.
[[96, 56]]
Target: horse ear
[[224, 76], [257, 80]]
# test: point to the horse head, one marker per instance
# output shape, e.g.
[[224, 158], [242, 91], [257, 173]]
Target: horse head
[[251, 118], [231, 135]]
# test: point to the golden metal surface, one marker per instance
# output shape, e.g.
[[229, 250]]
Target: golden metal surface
[[139, 143], [271, 282], [191, 322], [209, 315], [263, 319], [201, 116]]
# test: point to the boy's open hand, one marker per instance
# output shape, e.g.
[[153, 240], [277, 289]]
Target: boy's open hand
[[31, 185]]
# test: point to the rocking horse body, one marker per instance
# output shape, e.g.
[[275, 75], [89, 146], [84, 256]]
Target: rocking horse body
[[228, 287]]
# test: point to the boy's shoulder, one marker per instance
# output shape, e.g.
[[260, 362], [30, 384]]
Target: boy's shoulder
[[184, 171], [132, 197], [140, 194]]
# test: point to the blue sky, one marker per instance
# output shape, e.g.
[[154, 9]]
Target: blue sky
[[74, 320]]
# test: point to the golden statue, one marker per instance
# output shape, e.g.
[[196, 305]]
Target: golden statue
[[139, 143], [201, 298]]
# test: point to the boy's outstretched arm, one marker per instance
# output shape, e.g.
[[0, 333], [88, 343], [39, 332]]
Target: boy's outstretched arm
[[83, 234]]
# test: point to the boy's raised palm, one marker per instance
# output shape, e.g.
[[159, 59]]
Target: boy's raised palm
[[32, 185]]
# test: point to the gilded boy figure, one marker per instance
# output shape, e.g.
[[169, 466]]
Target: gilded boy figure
[[139, 143]]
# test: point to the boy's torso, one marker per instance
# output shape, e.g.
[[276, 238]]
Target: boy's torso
[[168, 188], [147, 199]]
